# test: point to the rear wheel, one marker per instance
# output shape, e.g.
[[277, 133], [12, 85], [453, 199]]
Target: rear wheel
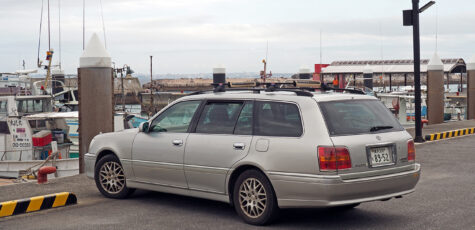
[[110, 178], [254, 199]]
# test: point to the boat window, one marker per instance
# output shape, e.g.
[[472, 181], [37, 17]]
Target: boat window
[[3, 106], [37, 124], [30, 106], [4, 127]]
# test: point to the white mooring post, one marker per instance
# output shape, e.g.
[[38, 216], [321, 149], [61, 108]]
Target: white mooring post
[[96, 92], [219, 75]]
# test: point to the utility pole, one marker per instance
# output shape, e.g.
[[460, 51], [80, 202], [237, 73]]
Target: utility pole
[[411, 18]]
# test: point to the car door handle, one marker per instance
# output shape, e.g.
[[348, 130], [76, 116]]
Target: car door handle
[[177, 142], [239, 145]]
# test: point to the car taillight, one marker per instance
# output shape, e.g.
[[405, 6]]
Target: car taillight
[[411, 151], [333, 158]]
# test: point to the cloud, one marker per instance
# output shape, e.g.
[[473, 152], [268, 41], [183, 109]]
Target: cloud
[[189, 36]]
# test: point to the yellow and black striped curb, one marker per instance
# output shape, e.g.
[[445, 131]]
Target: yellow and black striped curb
[[450, 134], [14, 207]]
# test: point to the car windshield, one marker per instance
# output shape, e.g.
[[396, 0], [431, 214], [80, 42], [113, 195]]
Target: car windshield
[[350, 117]]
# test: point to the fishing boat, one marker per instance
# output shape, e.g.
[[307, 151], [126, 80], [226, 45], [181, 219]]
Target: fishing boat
[[22, 118]]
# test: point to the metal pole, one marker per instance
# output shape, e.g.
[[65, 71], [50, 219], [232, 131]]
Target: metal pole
[[49, 32], [123, 91], [151, 86], [390, 83], [417, 70], [448, 81], [83, 23]]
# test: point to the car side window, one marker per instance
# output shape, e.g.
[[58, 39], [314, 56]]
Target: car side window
[[244, 122], [277, 119], [175, 119], [219, 117]]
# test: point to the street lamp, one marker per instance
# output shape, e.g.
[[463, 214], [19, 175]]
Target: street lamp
[[411, 18]]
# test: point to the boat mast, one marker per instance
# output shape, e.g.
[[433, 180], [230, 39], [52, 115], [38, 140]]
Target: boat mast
[[39, 36], [83, 23], [59, 33], [49, 54]]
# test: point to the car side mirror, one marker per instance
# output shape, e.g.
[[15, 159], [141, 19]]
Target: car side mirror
[[143, 127]]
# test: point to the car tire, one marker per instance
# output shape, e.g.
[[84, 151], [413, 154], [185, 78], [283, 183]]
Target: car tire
[[110, 178], [254, 198]]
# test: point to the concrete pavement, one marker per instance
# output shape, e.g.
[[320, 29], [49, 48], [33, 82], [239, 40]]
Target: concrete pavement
[[443, 199], [438, 128]]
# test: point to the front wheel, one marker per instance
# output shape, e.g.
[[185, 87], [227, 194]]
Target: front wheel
[[254, 199], [110, 178]]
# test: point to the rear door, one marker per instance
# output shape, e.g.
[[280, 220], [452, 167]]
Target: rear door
[[376, 141], [222, 137]]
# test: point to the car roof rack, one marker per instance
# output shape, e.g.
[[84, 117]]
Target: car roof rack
[[301, 87]]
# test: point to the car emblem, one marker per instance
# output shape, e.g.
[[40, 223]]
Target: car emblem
[[378, 138]]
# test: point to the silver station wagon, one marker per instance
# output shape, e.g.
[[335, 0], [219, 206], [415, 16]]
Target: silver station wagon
[[261, 151]]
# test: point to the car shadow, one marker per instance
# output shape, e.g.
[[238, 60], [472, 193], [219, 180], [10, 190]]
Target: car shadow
[[359, 217]]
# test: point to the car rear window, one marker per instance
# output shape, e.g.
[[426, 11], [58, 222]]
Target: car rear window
[[351, 117]]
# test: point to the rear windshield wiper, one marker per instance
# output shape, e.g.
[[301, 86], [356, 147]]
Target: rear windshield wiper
[[377, 128]]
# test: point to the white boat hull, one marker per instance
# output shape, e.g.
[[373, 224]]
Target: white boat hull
[[65, 167]]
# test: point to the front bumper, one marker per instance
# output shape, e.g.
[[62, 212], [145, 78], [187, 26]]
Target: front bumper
[[90, 162], [307, 190]]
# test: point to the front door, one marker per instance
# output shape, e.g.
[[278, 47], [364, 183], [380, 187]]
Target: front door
[[158, 154], [222, 137]]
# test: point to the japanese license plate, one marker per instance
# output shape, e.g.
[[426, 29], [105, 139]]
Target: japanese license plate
[[380, 156]]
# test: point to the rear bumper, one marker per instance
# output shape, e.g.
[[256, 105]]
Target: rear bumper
[[308, 190]]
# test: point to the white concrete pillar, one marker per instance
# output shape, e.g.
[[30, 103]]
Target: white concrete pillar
[[435, 90], [96, 92], [471, 88]]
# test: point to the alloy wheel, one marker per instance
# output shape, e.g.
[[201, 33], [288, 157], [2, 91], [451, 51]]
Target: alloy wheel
[[252, 197], [111, 177]]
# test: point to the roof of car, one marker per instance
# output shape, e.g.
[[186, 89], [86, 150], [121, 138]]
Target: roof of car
[[277, 95]]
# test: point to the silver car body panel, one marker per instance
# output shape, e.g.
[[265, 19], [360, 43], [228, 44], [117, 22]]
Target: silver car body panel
[[291, 163], [156, 159]]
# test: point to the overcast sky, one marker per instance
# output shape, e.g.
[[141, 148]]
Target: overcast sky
[[193, 36]]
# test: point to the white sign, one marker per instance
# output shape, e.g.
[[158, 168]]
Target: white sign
[[20, 132]]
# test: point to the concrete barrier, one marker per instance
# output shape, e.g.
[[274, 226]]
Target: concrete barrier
[[449, 134], [37, 203]]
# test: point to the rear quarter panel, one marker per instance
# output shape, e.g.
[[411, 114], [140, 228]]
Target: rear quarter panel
[[292, 154]]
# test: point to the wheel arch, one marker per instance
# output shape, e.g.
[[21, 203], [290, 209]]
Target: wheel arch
[[105, 152], [238, 171]]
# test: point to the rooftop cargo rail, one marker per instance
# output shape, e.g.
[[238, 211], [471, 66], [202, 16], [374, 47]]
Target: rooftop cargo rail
[[299, 87]]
